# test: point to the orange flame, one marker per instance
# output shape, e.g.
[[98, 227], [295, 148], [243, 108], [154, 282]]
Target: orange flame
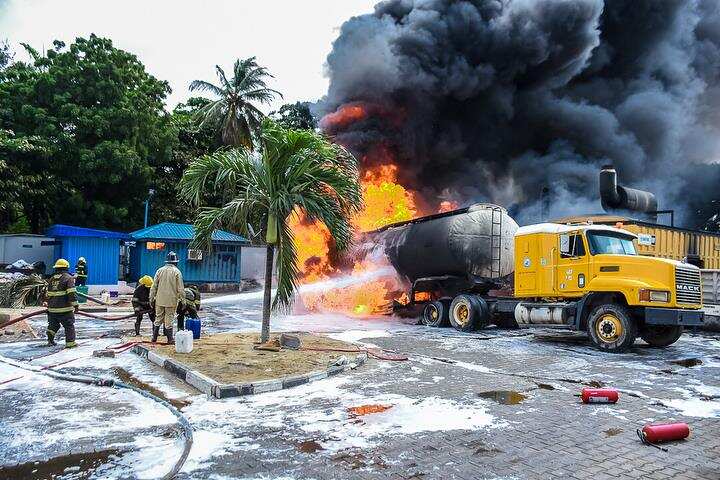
[[448, 206], [345, 115], [386, 201]]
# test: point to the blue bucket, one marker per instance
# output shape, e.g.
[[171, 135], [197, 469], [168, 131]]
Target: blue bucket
[[193, 324]]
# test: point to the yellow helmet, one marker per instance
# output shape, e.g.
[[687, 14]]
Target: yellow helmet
[[146, 280], [62, 263]]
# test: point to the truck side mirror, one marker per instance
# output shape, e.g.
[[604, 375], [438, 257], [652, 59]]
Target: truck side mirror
[[564, 244]]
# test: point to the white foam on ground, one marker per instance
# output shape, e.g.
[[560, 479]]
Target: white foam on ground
[[692, 406], [354, 336], [320, 409]]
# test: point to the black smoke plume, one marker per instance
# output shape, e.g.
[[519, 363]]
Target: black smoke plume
[[495, 100]]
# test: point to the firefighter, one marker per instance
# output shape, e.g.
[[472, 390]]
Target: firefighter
[[141, 302], [61, 304], [166, 293], [186, 308], [196, 292], [81, 272]]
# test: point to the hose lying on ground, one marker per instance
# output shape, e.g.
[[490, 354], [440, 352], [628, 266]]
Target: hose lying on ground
[[93, 299], [81, 313], [109, 382]]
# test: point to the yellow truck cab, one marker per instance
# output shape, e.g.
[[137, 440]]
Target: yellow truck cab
[[590, 277]]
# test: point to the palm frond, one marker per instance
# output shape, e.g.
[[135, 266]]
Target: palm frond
[[287, 269], [22, 292], [203, 86]]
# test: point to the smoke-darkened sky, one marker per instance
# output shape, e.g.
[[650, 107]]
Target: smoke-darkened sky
[[489, 100]]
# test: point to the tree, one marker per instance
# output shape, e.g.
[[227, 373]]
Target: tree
[[233, 113], [96, 119], [292, 171], [295, 115], [6, 54], [189, 143]]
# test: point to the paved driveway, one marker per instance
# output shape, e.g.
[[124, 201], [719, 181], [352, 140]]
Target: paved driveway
[[495, 404]]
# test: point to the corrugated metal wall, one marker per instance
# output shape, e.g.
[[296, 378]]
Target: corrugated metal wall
[[675, 244], [102, 255], [221, 266]]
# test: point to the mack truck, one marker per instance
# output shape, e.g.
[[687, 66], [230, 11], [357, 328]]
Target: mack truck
[[473, 267]]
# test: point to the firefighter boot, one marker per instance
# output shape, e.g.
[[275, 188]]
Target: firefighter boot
[[156, 332], [137, 328], [51, 339], [169, 334], [70, 344]]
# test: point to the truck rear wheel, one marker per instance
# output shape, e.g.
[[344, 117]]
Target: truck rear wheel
[[435, 314], [661, 335], [468, 313], [611, 328]]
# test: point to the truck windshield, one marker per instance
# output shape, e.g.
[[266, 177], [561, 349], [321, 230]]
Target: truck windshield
[[610, 242]]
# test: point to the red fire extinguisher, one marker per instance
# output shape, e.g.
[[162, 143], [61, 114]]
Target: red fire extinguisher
[[599, 395], [663, 432]]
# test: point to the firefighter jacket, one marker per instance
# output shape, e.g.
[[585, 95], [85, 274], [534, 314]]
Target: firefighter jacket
[[61, 293], [141, 298], [196, 292], [81, 270], [168, 289]]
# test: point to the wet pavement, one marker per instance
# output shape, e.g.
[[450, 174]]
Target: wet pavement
[[493, 404]]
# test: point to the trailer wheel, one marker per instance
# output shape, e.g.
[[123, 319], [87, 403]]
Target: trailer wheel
[[661, 335], [435, 314], [468, 313], [611, 328]]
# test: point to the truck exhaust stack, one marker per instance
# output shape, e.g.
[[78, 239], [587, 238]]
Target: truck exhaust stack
[[618, 198]]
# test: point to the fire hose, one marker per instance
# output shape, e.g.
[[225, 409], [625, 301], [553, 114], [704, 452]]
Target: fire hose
[[80, 312], [111, 383]]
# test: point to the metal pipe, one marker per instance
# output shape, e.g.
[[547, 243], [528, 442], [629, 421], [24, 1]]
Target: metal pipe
[[616, 197]]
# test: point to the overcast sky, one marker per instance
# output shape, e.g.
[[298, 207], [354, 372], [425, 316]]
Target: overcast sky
[[180, 41]]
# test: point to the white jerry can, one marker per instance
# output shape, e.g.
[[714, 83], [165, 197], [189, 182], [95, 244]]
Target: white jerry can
[[184, 341]]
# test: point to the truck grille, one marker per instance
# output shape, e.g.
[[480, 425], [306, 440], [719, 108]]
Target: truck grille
[[687, 286]]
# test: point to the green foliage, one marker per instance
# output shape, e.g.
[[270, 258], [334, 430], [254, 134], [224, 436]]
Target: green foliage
[[293, 170], [295, 115], [22, 292], [232, 112], [88, 130], [189, 143], [6, 55]]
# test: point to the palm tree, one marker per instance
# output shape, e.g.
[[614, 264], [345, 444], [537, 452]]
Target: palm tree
[[233, 112], [292, 171]]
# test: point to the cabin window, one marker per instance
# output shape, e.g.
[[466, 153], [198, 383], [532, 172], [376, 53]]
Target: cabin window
[[571, 246]]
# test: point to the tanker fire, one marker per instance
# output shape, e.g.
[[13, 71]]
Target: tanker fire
[[369, 283], [455, 102]]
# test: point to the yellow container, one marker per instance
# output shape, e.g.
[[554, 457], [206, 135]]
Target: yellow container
[[662, 241]]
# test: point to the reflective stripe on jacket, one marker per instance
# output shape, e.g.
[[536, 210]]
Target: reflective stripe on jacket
[[61, 293], [81, 270]]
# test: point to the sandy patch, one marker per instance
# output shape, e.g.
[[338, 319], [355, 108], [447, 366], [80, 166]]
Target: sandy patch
[[230, 357]]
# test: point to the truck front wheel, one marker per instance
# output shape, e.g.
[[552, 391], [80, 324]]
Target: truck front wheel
[[661, 335], [611, 328], [435, 314]]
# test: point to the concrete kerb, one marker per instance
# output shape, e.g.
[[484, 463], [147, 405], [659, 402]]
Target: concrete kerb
[[219, 390]]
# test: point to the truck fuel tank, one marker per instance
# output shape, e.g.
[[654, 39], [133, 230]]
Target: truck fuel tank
[[477, 241]]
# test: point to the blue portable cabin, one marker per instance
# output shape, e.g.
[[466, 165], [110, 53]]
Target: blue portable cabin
[[101, 249], [153, 243]]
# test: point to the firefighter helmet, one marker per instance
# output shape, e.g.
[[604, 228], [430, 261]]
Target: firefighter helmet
[[189, 295], [81, 260], [146, 280], [172, 258], [62, 263]]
